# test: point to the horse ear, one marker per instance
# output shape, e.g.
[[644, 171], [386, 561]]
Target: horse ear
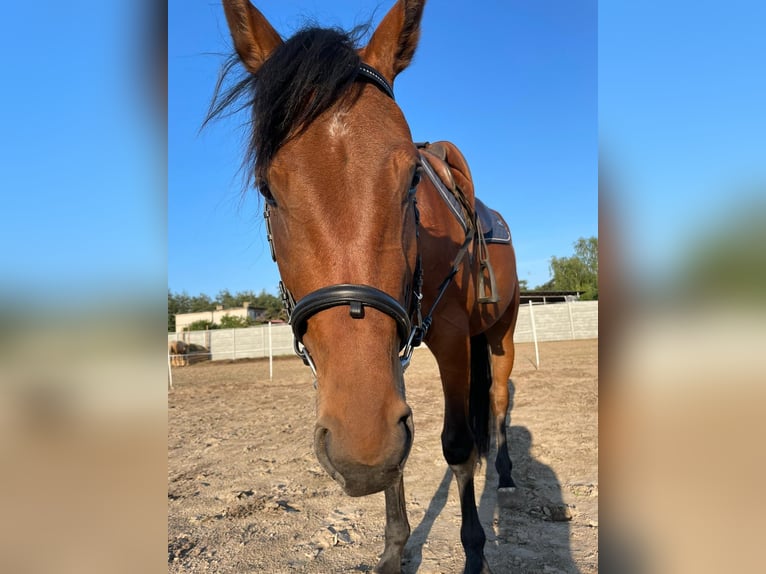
[[254, 38], [393, 43]]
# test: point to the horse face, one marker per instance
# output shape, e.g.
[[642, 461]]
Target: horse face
[[344, 214], [341, 211]]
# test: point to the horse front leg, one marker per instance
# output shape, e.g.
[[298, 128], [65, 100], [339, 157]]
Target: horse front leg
[[397, 530], [471, 532], [462, 455], [453, 355]]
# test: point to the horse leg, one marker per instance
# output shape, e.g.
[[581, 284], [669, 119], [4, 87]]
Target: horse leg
[[500, 337], [471, 532], [459, 447], [397, 530]]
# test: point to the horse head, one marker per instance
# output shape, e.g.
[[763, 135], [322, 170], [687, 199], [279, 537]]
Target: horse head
[[333, 156]]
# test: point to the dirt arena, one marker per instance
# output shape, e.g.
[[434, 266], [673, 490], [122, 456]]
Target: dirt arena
[[246, 493]]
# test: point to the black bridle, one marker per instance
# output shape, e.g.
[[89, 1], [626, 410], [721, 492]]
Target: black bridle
[[356, 297], [411, 326]]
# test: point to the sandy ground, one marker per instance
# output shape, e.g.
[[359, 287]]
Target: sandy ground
[[246, 493]]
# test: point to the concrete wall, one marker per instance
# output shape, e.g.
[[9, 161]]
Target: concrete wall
[[250, 342], [558, 321], [553, 322]]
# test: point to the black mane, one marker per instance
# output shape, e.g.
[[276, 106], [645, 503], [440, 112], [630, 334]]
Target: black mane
[[303, 78]]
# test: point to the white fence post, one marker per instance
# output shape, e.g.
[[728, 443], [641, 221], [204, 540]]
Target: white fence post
[[571, 318], [534, 335], [271, 356]]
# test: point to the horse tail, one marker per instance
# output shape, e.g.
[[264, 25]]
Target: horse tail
[[478, 403]]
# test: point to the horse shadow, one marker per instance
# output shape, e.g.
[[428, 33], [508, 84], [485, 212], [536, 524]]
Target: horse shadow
[[527, 530], [413, 551]]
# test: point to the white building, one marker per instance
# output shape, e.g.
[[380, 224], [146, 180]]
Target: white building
[[183, 320]]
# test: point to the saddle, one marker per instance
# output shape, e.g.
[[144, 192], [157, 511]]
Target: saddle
[[448, 170]]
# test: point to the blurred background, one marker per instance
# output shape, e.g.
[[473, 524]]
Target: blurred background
[[83, 284], [82, 287], [682, 220]]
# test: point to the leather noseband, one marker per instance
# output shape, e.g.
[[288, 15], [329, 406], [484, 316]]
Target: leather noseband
[[357, 297]]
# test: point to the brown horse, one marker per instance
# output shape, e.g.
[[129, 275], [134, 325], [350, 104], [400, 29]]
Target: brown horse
[[178, 350], [374, 259]]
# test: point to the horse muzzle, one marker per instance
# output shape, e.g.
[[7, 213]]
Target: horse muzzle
[[357, 478]]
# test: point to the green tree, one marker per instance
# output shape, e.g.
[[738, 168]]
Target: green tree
[[201, 302], [173, 310], [201, 325], [578, 272], [227, 300], [587, 251], [178, 303], [272, 304], [231, 322]]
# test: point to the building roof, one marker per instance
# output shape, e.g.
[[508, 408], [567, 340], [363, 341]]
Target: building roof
[[549, 296]]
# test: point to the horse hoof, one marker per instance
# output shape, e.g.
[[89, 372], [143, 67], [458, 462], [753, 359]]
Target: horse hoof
[[389, 566], [477, 565], [485, 569], [506, 489]]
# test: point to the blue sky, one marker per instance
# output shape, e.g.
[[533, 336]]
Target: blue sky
[[513, 84]]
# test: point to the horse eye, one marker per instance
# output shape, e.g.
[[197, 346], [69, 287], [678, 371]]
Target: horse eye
[[415, 179], [265, 190]]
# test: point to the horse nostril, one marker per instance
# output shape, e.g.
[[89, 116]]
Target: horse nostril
[[320, 448], [406, 420]]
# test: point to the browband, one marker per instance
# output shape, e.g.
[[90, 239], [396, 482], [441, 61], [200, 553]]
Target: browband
[[371, 74]]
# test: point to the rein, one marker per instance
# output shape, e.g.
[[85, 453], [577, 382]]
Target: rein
[[357, 297]]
